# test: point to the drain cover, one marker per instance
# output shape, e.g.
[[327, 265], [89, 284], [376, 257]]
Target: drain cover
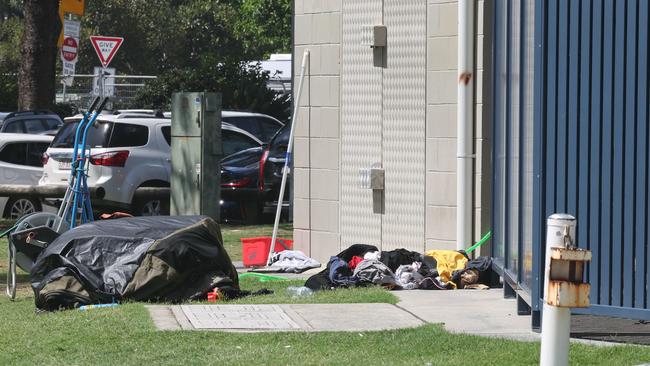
[[238, 317]]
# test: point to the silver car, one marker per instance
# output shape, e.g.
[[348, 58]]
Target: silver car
[[20, 163]]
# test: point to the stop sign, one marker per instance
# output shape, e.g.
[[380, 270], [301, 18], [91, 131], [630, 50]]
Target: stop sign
[[69, 49]]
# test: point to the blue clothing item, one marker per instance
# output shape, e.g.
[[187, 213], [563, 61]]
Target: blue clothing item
[[340, 274], [321, 280]]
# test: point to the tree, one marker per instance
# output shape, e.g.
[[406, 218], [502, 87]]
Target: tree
[[243, 87], [202, 45], [265, 26], [10, 8], [178, 40], [38, 51], [165, 35], [10, 32], [149, 29]]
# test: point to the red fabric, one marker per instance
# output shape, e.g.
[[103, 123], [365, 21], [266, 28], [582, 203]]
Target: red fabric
[[354, 262]]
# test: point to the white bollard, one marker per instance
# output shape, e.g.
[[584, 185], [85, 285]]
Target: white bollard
[[556, 321]]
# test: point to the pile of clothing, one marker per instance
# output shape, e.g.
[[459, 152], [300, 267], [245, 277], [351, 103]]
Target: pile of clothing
[[363, 265]]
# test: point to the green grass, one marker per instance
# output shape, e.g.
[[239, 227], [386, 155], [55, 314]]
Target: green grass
[[233, 233], [126, 336]]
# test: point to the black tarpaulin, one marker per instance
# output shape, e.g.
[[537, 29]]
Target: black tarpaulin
[[162, 258]]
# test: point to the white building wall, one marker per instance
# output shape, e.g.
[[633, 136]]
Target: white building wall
[[442, 59], [317, 141], [318, 177]]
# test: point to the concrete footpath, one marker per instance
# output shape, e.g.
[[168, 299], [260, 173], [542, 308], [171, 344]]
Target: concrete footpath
[[479, 312], [284, 317]]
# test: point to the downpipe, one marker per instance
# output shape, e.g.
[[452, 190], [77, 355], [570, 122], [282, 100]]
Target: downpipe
[[465, 107]]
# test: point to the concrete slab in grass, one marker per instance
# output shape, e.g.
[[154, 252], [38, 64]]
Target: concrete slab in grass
[[354, 317], [285, 317], [253, 317]]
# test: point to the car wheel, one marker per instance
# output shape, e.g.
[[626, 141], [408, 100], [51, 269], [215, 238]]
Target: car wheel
[[151, 208], [21, 206]]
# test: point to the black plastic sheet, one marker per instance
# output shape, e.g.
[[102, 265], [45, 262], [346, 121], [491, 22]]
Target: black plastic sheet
[[164, 258]]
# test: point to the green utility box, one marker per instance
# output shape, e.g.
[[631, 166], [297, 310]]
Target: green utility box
[[196, 154]]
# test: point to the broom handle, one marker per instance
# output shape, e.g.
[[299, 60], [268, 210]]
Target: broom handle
[[285, 169]]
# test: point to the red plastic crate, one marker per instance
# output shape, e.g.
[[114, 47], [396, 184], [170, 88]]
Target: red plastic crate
[[255, 251]]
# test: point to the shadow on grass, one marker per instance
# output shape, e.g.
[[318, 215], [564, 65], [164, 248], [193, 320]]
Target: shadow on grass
[[21, 278]]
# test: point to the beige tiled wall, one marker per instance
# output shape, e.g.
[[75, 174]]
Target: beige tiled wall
[[442, 30], [317, 150], [316, 179]]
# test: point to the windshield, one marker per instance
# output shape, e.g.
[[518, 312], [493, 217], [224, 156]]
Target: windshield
[[279, 142], [98, 134]]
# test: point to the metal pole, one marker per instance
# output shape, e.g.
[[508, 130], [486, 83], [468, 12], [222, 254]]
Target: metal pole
[[556, 321], [464, 154], [103, 82], [11, 271], [285, 170]]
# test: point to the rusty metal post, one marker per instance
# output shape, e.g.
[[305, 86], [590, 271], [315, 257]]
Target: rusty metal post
[[564, 288], [556, 321]]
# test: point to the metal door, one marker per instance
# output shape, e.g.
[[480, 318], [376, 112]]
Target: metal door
[[383, 108], [404, 134], [196, 152], [361, 122]]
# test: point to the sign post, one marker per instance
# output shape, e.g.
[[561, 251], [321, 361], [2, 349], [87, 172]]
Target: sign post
[[103, 81], [70, 12], [69, 57], [106, 48]]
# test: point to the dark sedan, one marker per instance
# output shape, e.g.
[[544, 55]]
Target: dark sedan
[[271, 165], [31, 122], [241, 199]]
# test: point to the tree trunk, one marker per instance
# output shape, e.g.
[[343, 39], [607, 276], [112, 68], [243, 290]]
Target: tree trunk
[[38, 52]]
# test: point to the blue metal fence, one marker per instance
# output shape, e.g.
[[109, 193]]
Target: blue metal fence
[[513, 65], [589, 143]]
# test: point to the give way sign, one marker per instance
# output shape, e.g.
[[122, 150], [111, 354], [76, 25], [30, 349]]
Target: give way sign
[[106, 47]]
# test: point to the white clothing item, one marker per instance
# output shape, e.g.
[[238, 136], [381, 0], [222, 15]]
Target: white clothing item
[[293, 261], [373, 256]]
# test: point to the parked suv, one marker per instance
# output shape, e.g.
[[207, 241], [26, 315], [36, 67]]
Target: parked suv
[[32, 122], [20, 163], [262, 126], [129, 151], [126, 152]]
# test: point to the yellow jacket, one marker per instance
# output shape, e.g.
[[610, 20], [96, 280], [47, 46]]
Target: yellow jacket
[[447, 261]]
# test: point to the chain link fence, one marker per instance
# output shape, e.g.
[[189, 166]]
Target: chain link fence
[[80, 89]]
